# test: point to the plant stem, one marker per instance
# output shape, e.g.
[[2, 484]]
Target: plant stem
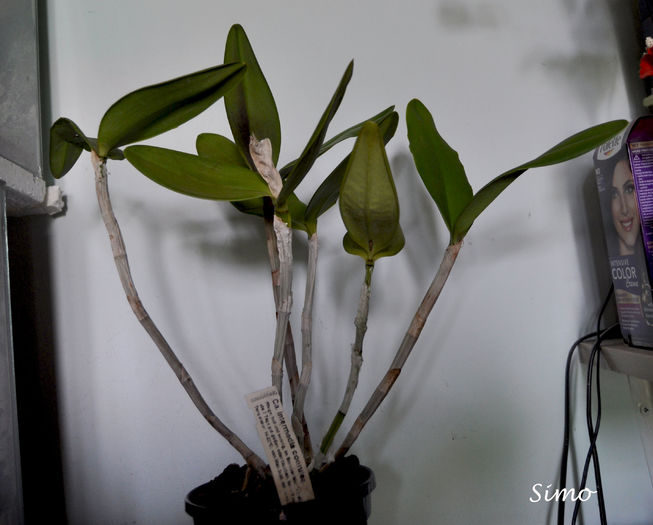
[[407, 344], [307, 345], [360, 322], [261, 153], [290, 359], [124, 272], [283, 234], [289, 353]]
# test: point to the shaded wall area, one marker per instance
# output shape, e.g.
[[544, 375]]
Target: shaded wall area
[[34, 352]]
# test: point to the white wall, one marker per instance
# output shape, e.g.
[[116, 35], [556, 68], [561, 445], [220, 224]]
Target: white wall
[[476, 418]]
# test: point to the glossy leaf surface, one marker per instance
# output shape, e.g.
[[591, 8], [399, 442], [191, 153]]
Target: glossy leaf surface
[[196, 176], [326, 194], [223, 151], [368, 199], [66, 145], [349, 133], [437, 164], [568, 149], [312, 149], [351, 247], [152, 110], [219, 149], [250, 106], [396, 245], [114, 154], [67, 141]]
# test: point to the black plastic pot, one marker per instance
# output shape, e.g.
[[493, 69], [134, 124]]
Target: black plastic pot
[[343, 498]]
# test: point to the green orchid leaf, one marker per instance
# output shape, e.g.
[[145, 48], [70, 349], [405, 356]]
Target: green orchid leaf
[[368, 199], [155, 109], [351, 247], [196, 176], [353, 131], [297, 212], [250, 106], [67, 142], [437, 164], [568, 149], [326, 194], [223, 151], [114, 154], [395, 246], [250, 206], [349, 133], [219, 149], [312, 149], [296, 208]]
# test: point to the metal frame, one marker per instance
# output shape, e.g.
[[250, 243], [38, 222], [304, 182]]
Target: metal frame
[[11, 494]]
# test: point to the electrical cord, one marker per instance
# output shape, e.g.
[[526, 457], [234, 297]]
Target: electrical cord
[[593, 429], [566, 431]]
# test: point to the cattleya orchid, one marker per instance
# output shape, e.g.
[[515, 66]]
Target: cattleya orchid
[[243, 171]]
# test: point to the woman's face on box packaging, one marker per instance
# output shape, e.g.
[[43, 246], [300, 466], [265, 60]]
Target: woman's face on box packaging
[[625, 215]]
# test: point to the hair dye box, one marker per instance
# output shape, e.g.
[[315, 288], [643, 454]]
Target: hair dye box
[[624, 176]]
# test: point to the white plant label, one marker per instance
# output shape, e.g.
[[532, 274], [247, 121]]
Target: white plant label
[[281, 447]]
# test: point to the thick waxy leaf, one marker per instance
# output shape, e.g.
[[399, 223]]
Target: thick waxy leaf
[[395, 246], [66, 145], [196, 176], [312, 149], [250, 106], [569, 148], [296, 208], [67, 141], [343, 135], [250, 206], [114, 154], [351, 247], [155, 109], [219, 149], [437, 164], [353, 131], [223, 151], [368, 199], [297, 212], [326, 194]]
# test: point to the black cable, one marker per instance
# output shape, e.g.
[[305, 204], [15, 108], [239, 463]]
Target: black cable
[[592, 454], [593, 431], [566, 432]]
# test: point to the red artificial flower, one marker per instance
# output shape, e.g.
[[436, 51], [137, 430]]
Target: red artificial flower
[[646, 64]]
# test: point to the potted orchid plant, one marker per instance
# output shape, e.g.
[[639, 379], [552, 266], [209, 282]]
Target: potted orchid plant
[[243, 170]]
